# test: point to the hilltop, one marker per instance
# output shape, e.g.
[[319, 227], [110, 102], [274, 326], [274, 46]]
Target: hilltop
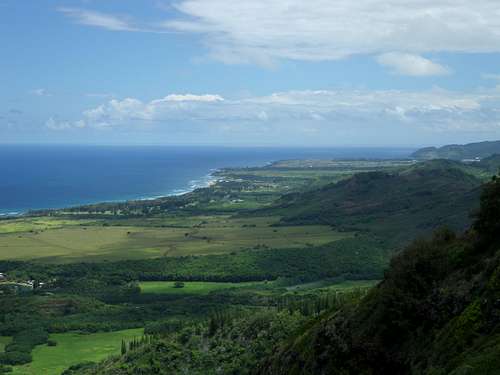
[[469, 151], [395, 206]]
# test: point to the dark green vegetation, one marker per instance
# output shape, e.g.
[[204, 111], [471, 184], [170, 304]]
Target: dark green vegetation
[[469, 151], [230, 342], [436, 312], [221, 277]]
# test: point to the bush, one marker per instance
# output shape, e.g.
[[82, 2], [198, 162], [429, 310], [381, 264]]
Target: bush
[[52, 343], [179, 284], [75, 369], [18, 347], [15, 358], [18, 352]]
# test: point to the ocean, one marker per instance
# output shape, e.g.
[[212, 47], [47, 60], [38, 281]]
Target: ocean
[[39, 177]]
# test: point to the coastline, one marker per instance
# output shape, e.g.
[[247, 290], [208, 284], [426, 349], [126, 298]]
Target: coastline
[[205, 181], [130, 174]]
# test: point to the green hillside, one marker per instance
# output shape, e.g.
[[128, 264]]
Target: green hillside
[[394, 206], [435, 312]]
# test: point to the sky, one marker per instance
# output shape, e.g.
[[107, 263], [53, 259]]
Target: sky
[[250, 72]]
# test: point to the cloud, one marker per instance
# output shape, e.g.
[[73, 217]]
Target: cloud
[[40, 92], [262, 31], [98, 95], [97, 19], [193, 98], [53, 124], [433, 110], [411, 65], [493, 77]]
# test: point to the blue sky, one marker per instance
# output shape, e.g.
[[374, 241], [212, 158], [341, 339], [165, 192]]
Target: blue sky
[[262, 72]]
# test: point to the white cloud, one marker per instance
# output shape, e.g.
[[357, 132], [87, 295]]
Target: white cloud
[[411, 65], [342, 110], [97, 19], [490, 76], [40, 92], [192, 98], [266, 30], [53, 124]]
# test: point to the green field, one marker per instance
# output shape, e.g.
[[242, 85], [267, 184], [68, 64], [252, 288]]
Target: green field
[[81, 240], [192, 287], [73, 348]]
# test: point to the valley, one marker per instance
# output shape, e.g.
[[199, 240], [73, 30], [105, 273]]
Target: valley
[[293, 240]]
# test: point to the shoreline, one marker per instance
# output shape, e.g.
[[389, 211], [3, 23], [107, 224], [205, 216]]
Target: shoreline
[[205, 181]]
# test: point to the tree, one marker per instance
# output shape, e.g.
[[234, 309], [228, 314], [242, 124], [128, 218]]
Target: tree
[[178, 284], [124, 348], [488, 220]]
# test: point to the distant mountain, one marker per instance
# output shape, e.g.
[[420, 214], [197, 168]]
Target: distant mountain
[[459, 152]]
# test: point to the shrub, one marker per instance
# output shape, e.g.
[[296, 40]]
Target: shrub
[[15, 358], [18, 347], [75, 369], [178, 284]]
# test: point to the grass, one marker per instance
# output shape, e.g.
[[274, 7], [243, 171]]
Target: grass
[[4, 340], [76, 241], [353, 284], [73, 348], [344, 286], [204, 288], [36, 224], [190, 288]]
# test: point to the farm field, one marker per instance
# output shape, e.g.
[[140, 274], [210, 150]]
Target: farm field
[[191, 288], [81, 240], [73, 348], [37, 224]]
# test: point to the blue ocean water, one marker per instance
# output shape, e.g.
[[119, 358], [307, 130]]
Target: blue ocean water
[[36, 177]]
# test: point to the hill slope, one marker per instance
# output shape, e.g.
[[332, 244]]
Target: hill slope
[[394, 206], [459, 152], [436, 312]]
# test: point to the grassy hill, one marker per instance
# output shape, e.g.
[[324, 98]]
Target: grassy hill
[[435, 312], [395, 206], [459, 152]]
